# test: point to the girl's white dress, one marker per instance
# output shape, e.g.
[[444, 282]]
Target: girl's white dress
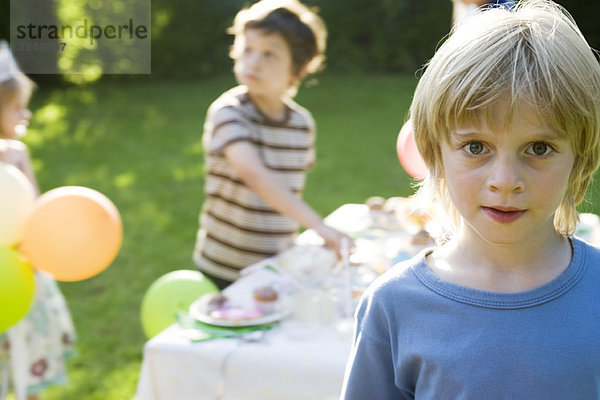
[[34, 351]]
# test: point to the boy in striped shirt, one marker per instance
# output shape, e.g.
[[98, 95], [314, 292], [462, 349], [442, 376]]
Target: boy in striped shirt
[[259, 143]]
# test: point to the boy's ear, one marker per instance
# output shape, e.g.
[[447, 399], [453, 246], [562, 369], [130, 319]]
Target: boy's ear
[[303, 73], [296, 79]]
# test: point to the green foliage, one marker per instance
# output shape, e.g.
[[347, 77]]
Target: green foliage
[[363, 36], [4, 19], [383, 36], [189, 38], [585, 14]]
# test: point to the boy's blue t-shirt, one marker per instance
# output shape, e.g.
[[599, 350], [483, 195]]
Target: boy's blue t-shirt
[[420, 337], [503, 3]]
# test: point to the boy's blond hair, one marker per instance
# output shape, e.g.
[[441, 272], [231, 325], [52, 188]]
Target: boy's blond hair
[[532, 55], [302, 29]]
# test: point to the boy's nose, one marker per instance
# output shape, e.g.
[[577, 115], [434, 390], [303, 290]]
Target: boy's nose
[[506, 175], [253, 60]]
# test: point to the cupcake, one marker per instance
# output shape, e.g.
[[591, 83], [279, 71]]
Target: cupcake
[[217, 302], [265, 299]]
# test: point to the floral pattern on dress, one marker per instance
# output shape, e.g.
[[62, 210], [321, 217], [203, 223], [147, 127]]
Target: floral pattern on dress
[[49, 337]]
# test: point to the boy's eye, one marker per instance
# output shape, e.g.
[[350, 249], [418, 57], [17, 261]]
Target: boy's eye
[[475, 148], [540, 149]]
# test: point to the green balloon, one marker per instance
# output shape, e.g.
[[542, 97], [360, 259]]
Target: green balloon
[[172, 292], [17, 288]]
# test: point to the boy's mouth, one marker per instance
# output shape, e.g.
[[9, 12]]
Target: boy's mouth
[[250, 77], [504, 214]]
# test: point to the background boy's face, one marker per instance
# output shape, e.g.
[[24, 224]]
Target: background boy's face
[[265, 64], [14, 113], [507, 183]]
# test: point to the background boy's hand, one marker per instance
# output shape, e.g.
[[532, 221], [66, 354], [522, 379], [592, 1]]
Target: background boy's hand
[[333, 238]]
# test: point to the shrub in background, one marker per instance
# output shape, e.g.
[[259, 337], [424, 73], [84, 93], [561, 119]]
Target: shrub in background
[[189, 39]]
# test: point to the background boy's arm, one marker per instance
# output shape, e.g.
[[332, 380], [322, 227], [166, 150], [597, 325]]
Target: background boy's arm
[[244, 158]]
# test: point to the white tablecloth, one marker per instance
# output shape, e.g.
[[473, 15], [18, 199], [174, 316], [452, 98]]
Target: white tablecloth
[[289, 362]]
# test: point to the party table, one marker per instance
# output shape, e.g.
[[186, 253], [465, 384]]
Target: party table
[[293, 360]]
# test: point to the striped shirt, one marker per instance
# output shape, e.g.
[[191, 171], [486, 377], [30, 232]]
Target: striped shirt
[[237, 227]]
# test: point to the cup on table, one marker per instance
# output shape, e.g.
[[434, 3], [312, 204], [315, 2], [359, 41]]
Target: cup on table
[[314, 307]]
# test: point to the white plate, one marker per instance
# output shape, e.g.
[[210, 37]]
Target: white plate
[[199, 311]]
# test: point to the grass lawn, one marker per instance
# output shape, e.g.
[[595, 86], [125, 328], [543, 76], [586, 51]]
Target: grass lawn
[[140, 144]]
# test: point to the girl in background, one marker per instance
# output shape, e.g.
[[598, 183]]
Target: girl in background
[[32, 352]]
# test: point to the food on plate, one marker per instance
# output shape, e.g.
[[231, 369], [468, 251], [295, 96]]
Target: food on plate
[[217, 302], [221, 307], [235, 314], [265, 298]]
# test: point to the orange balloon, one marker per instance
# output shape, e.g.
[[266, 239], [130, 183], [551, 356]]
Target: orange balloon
[[73, 233], [408, 153]]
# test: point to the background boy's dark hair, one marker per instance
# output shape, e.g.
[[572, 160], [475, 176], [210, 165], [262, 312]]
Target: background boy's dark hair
[[299, 37], [301, 28]]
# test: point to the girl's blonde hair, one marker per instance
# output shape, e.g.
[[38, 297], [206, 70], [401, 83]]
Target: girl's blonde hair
[[532, 55]]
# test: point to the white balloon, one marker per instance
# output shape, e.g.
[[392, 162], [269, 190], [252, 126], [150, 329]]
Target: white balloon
[[17, 198]]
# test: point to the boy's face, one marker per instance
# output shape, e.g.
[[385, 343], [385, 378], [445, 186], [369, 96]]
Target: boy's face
[[265, 64], [507, 183], [14, 118]]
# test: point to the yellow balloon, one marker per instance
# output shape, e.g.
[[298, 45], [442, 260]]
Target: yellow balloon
[[17, 197], [73, 233], [17, 288]]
